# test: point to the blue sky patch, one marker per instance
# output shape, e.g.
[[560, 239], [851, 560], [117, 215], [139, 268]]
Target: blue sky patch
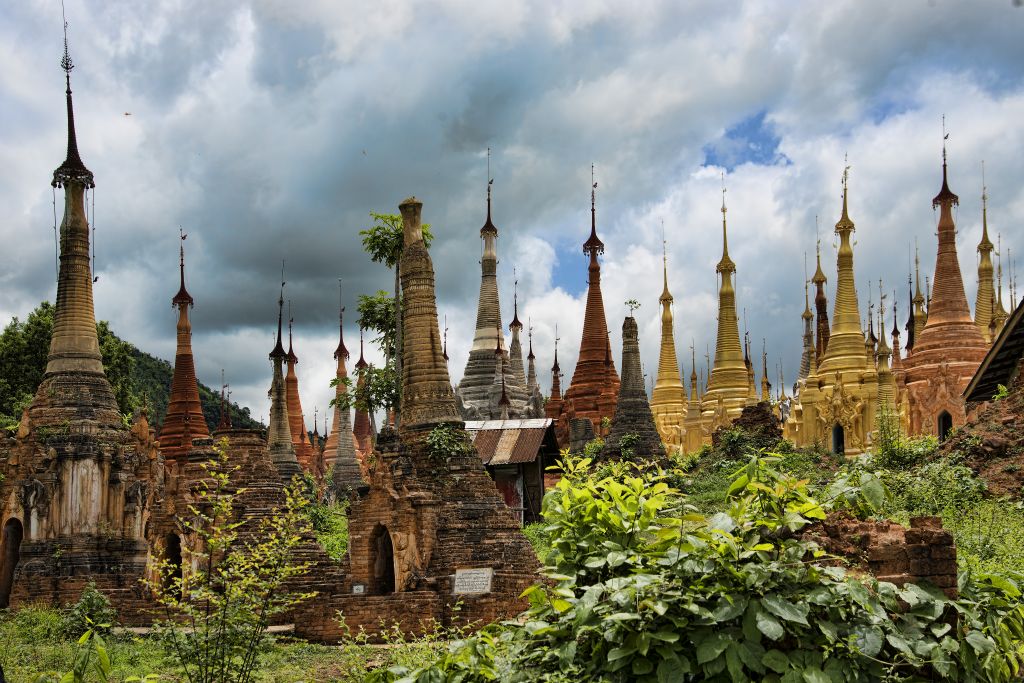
[[752, 140]]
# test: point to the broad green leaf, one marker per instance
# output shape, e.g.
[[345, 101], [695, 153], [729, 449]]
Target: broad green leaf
[[868, 640], [781, 607], [776, 661], [673, 670], [873, 490], [815, 675], [617, 653], [980, 642], [711, 647], [769, 625]]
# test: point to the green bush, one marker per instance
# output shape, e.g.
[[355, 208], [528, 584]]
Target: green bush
[[645, 589], [989, 536], [330, 524], [91, 612], [893, 450], [933, 487]]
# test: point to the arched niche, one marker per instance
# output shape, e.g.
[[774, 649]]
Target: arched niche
[[382, 561], [10, 553]]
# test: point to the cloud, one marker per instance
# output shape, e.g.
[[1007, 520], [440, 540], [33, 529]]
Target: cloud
[[270, 130]]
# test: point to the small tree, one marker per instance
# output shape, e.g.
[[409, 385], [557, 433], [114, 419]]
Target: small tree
[[632, 305], [233, 580]]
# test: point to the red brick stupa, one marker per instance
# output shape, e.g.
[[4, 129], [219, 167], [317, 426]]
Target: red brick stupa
[[950, 347], [296, 422], [594, 388], [184, 420]]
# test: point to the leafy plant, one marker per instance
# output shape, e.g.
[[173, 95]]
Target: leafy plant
[[447, 441], [645, 589], [1001, 392], [894, 450], [90, 658], [232, 582], [628, 444], [92, 612]]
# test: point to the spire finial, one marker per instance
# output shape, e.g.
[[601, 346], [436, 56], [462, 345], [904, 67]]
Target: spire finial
[[516, 323], [342, 350], [945, 195], [72, 170], [557, 339], [182, 298], [844, 220], [490, 182], [65, 62], [278, 351], [945, 136], [723, 198], [593, 246], [529, 335], [726, 265]]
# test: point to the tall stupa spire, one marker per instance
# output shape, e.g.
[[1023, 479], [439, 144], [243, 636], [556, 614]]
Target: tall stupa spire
[[362, 429], [999, 313], [74, 345], [279, 437], [594, 388], [949, 347], [339, 448], [822, 328], [72, 170], [948, 301], [480, 376], [515, 348], [807, 358], [184, 420], [427, 397], [986, 292], [296, 418], [668, 400], [729, 379], [845, 349]]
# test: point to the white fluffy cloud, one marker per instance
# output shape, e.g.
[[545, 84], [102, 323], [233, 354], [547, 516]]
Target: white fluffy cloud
[[269, 130]]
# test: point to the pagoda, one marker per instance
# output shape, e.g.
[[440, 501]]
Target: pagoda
[[362, 427], [837, 403], [950, 346], [279, 437], [78, 488], [184, 421], [730, 384], [535, 404], [304, 451], [821, 307], [984, 302], [430, 515], [594, 388], [340, 447], [476, 396], [668, 400], [633, 415]]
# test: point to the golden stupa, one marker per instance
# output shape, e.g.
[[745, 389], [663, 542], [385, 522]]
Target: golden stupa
[[668, 401]]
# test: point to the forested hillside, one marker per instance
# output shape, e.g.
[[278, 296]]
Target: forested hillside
[[136, 376]]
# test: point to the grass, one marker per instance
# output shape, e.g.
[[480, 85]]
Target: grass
[[32, 641]]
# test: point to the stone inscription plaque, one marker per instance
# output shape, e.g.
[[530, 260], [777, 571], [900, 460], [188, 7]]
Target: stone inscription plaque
[[473, 581]]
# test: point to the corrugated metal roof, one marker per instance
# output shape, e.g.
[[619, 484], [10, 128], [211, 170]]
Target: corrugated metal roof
[[508, 442], [1001, 361], [532, 423]]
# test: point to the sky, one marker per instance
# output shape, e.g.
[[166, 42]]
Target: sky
[[269, 130]]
